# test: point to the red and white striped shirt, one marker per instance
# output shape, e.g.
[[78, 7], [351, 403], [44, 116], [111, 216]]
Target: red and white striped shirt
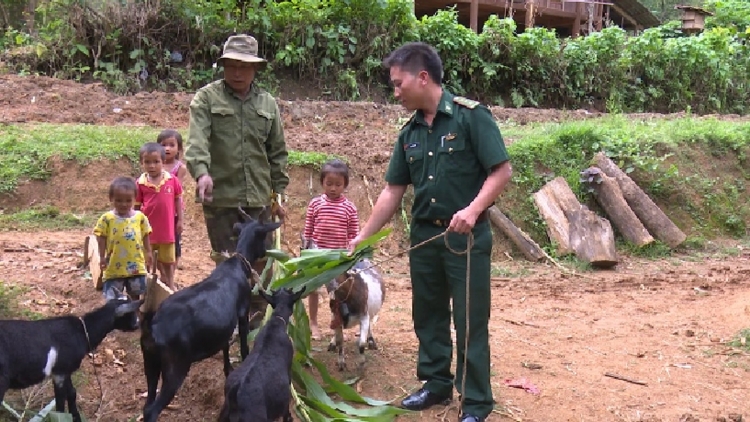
[[331, 224]]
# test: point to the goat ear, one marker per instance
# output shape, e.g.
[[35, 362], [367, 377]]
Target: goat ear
[[266, 296], [299, 293], [127, 308], [269, 227]]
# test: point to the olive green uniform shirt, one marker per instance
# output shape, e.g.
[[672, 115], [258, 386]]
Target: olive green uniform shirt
[[449, 161], [240, 143]]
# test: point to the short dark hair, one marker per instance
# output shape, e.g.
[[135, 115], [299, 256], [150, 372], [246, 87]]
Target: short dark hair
[[415, 57], [170, 133], [122, 183], [335, 166], [151, 147]]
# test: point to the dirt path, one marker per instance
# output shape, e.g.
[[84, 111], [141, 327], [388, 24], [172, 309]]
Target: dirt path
[[663, 322]]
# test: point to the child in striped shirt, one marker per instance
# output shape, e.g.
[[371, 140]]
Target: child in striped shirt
[[331, 221]]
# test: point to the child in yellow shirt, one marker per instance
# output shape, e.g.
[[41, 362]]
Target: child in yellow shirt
[[123, 238]]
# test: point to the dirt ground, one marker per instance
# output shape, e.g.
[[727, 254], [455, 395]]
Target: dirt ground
[[660, 322]]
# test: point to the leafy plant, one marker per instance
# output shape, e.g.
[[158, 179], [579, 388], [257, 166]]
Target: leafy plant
[[338, 47], [312, 269]]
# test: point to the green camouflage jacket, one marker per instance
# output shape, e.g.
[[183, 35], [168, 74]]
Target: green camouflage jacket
[[240, 143]]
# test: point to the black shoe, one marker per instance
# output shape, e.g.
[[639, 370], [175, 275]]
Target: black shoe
[[423, 399], [470, 418]]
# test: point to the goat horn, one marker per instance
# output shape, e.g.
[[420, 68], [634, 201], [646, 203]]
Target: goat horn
[[244, 214]]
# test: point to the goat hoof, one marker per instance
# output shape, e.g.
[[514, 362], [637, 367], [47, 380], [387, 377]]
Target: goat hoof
[[341, 366], [371, 344], [332, 347]]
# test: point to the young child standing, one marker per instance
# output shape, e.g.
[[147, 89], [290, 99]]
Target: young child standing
[[159, 198], [124, 246], [171, 140], [331, 221]]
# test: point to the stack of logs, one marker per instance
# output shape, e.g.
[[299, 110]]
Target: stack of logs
[[574, 228]]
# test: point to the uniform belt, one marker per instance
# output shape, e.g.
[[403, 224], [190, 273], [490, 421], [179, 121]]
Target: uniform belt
[[445, 223]]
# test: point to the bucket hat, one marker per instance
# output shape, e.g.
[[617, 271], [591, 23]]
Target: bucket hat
[[243, 48]]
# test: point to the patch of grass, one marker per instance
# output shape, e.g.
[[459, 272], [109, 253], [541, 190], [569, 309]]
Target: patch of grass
[[311, 159], [741, 340], [25, 150], [674, 161], [505, 272], [46, 218], [654, 250], [9, 308]]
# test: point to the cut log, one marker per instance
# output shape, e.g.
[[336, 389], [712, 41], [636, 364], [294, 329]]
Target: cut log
[[556, 202], [657, 223], [91, 258], [156, 291], [609, 196], [528, 247], [592, 238]]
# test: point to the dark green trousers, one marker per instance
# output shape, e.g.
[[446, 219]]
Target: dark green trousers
[[438, 277], [219, 225]]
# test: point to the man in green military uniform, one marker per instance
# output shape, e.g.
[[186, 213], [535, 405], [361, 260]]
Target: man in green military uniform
[[235, 149], [452, 151]]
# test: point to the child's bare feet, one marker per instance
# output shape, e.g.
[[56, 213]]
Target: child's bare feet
[[314, 332]]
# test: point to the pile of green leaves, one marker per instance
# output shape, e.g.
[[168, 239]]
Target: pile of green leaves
[[313, 401]]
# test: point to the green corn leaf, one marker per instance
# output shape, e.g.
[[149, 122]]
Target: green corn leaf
[[316, 267], [312, 269]]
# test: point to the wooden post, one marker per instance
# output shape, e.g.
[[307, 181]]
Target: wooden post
[[577, 22], [592, 238], [91, 258], [609, 196], [647, 211], [528, 247], [555, 201], [573, 227], [474, 15], [529, 14]]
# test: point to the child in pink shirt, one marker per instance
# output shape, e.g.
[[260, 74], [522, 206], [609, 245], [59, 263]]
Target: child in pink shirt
[[171, 140], [159, 197]]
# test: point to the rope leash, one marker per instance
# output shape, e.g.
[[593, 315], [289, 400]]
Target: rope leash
[[467, 252], [93, 364]]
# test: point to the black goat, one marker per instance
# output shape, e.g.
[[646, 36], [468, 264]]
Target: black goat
[[31, 351], [259, 389], [198, 321]]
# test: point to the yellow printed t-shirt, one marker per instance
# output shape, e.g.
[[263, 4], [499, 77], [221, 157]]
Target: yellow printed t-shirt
[[124, 243]]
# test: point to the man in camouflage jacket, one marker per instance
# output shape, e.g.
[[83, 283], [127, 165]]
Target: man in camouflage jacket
[[235, 149]]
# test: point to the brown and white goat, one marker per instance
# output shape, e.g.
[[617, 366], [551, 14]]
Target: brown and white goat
[[355, 298]]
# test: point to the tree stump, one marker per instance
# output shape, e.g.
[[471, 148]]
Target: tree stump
[[556, 202], [657, 223], [609, 196], [592, 238], [91, 258], [528, 247]]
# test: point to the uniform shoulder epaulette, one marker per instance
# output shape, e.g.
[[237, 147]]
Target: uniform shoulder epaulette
[[408, 120], [470, 104]]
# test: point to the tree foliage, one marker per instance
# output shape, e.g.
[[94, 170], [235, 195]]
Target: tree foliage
[[339, 45]]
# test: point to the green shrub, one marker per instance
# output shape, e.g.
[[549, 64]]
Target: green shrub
[[339, 44]]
